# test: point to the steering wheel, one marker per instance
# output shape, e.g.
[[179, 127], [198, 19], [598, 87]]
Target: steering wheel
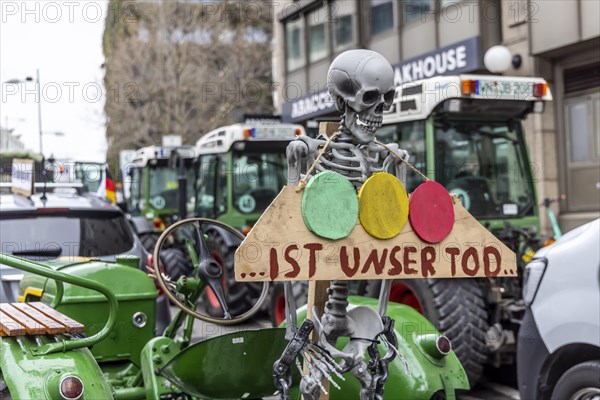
[[186, 290]]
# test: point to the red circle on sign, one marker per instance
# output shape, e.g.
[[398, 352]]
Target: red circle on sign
[[431, 212]]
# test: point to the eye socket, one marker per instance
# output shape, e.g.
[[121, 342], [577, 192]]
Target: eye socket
[[371, 97], [389, 96]]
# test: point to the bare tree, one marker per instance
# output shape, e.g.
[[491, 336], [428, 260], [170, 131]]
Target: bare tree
[[184, 68]]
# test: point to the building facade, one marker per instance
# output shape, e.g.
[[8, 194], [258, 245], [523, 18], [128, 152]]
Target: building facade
[[557, 40]]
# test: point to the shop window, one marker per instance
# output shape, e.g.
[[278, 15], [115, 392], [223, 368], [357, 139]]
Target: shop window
[[577, 115], [343, 24], [582, 128], [415, 10], [597, 126], [382, 16], [317, 34], [294, 32]]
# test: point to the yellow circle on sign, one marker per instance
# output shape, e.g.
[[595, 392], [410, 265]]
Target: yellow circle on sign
[[383, 205]]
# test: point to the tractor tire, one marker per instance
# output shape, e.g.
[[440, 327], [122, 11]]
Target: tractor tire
[[276, 300], [176, 263], [456, 307], [240, 296], [579, 382], [149, 241]]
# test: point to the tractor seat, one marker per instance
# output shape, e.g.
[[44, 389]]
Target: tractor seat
[[18, 319]]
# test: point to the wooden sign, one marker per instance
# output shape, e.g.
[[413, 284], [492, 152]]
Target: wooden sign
[[22, 178], [280, 248]]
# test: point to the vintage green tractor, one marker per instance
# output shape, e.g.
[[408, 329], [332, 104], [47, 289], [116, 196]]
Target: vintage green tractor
[[45, 355]]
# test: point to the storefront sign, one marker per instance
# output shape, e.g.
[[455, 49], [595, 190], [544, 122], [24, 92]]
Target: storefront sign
[[455, 59]]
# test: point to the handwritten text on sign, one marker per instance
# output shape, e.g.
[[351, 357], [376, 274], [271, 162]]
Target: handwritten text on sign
[[280, 248]]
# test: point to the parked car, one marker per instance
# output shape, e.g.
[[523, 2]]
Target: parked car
[[558, 353], [67, 224]]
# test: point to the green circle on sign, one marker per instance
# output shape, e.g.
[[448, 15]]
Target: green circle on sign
[[330, 205]]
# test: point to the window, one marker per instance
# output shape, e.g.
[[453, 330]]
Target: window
[[597, 119], [484, 164], [258, 177], [382, 16], [410, 136], [415, 10], [212, 186], [136, 202], [317, 34], [583, 128], [86, 234], [295, 44], [445, 3], [343, 24], [579, 138], [581, 110]]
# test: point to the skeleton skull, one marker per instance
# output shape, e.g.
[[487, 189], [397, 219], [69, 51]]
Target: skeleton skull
[[361, 83]]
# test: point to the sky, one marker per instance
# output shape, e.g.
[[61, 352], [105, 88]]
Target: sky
[[63, 39]]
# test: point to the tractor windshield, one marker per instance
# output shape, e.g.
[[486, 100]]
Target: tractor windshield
[[162, 186], [481, 162], [258, 178], [484, 163]]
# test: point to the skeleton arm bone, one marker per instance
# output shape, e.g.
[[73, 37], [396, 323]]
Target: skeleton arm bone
[[298, 152], [389, 160]]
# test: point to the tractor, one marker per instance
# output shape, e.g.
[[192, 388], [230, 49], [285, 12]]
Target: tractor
[[87, 333], [466, 132], [240, 169], [153, 198]]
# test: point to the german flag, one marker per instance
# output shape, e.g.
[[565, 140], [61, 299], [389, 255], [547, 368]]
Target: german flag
[[110, 187], [107, 186]]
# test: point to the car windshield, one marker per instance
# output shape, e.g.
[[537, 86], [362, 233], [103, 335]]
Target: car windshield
[[162, 187], [77, 234], [258, 178], [484, 164]]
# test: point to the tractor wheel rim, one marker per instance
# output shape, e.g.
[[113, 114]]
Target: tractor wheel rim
[[589, 393], [212, 298], [403, 294], [279, 311]]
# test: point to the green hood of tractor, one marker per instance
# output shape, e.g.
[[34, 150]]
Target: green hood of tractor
[[134, 290]]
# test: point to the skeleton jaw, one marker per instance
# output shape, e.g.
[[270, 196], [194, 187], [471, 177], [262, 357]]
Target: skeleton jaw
[[368, 123]]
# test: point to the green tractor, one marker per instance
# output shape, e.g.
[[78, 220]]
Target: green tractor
[[466, 132], [240, 169], [87, 333], [152, 192]]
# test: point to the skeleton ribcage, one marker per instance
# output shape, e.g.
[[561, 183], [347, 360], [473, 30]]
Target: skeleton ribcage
[[357, 163]]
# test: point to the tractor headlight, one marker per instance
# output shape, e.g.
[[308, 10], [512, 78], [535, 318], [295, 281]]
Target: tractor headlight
[[71, 388], [534, 271]]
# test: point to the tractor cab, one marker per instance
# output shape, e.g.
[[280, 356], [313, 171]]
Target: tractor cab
[[153, 192], [240, 169], [466, 133]]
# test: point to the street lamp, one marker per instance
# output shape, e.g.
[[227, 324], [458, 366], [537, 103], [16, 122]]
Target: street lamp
[[39, 93]]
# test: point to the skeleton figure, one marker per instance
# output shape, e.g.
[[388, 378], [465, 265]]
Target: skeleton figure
[[361, 82]]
